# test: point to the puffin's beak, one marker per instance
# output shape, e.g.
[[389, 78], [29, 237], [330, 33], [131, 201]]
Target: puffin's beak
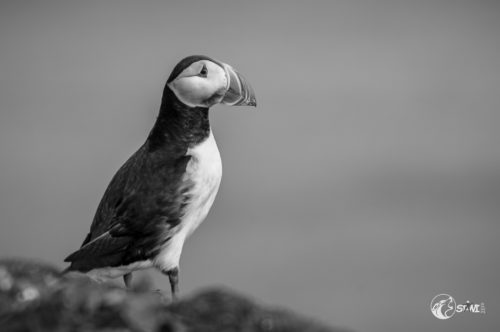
[[239, 92]]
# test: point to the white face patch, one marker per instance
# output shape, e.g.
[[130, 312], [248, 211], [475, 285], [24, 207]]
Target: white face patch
[[203, 84]]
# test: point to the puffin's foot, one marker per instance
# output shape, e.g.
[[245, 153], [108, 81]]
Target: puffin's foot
[[127, 278], [164, 296], [173, 277]]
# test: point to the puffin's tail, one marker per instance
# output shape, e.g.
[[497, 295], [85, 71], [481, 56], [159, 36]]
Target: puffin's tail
[[66, 270]]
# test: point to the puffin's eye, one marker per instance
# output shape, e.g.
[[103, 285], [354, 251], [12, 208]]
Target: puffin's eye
[[203, 71]]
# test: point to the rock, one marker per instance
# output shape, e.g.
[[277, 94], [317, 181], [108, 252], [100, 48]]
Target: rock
[[37, 297]]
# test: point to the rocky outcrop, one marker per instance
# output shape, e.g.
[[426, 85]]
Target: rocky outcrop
[[37, 297]]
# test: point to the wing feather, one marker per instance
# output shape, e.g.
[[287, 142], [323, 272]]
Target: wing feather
[[138, 213]]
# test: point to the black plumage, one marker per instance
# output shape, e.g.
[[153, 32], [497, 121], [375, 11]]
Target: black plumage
[[184, 63], [146, 198]]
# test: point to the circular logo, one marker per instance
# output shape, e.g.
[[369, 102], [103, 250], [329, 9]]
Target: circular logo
[[443, 306]]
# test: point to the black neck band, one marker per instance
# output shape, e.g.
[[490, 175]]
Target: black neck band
[[177, 124]]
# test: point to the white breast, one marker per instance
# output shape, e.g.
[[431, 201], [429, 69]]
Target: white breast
[[204, 170]]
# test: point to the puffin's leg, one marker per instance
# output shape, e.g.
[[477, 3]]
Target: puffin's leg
[[173, 277], [127, 278]]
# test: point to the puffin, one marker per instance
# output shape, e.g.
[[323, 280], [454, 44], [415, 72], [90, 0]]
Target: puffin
[[163, 192]]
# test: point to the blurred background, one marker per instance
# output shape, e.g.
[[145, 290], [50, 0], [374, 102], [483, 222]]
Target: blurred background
[[366, 182]]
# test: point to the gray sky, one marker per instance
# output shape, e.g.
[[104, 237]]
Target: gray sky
[[365, 183]]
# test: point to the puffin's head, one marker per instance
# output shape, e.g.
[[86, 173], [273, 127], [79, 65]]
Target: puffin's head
[[199, 81]]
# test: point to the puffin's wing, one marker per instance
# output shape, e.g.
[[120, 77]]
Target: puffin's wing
[[137, 214], [105, 250]]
